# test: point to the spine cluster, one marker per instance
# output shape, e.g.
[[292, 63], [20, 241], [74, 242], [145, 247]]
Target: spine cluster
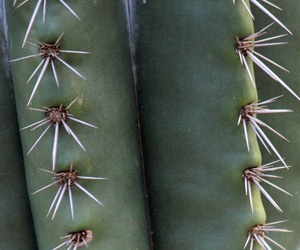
[[247, 116]]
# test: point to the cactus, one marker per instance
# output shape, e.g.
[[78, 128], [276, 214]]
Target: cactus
[[163, 89], [106, 100], [191, 89]]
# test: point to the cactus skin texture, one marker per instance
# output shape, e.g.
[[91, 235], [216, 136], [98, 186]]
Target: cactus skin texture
[[16, 230], [106, 100], [191, 86], [287, 124]]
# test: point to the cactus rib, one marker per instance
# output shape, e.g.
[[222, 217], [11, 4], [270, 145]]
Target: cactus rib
[[184, 138], [262, 8], [76, 239], [255, 174], [109, 99], [56, 117], [66, 180], [247, 115], [258, 233], [49, 52]]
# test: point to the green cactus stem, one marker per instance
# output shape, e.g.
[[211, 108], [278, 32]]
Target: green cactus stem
[[165, 84], [191, 87], [106, 100], [245, 48]]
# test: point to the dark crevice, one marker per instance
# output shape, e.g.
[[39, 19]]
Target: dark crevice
[[132, 27], [27, 216]]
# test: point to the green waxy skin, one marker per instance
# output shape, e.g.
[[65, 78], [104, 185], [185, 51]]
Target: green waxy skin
[[16, 230], [286, 124], [191, 87], [106, 100]]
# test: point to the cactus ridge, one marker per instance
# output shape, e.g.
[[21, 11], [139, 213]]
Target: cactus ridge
[[255, 175], [49, 53], [33, 17], [247, 115], [244, 48], [262, 8], [66, 180], [77, 239], [258, 233], [56, 117]]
